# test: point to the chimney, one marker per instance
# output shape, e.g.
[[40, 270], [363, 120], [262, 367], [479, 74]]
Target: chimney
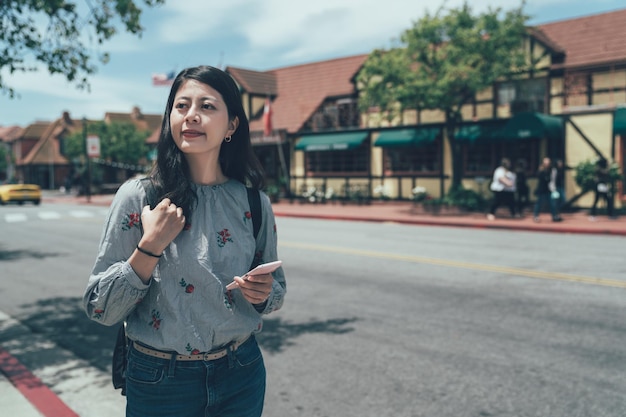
[[136, 114], [67, 118]]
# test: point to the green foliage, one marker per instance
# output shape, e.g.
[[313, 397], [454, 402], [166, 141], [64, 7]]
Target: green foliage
[[585, 176], [119, 142], [466, 199], [54, 33], [460, 197], [442, 63], [3, 158], [445, 60]]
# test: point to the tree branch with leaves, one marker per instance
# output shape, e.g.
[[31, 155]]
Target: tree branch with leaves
[[444, 60], [60, 35]]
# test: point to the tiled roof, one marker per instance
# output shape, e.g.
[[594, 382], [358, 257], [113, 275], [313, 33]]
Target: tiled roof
[[35, 130], [47, 150], [141, 121], [303, 88], [10, 133], [254, 82], [148, 122], [592, 40]]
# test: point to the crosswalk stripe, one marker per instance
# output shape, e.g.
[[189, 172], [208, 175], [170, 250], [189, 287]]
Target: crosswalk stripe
[[81, 213], [52, 215], [49, 215], [15, 217]]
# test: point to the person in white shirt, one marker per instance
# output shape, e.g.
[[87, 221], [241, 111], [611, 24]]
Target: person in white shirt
[[503, 186]]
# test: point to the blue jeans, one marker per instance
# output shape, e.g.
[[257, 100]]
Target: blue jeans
[[232, 386], [542, 198]]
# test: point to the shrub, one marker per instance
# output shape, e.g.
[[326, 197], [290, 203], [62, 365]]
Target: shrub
[[585, 175], [466, 199]]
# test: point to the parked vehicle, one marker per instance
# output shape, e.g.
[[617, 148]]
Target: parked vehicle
[[20, 193]]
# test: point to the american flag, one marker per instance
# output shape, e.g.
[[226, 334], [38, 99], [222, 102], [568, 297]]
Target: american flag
[[163, 79]]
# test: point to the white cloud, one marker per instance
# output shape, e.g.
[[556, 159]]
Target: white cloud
[[251, 34], [49, 96], [302, 29]]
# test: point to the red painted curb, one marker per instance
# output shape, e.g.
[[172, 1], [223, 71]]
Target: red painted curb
[[495, 226], [31, 387]]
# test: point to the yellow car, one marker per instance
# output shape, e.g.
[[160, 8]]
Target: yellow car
[[20, 193]]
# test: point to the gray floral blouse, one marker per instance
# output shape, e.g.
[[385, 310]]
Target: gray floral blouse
[[185, 306]]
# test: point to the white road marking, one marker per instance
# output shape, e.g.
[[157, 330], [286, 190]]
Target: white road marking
[[49, 215], [15, 217], [81, 214]]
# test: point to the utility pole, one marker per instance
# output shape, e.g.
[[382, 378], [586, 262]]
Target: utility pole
[[88, 171]]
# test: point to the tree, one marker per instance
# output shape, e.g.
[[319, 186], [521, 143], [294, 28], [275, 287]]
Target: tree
[[121, 144], [4, 155], [55, 33], [442, 63]]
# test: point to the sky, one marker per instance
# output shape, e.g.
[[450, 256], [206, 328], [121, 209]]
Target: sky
[[246, 34]]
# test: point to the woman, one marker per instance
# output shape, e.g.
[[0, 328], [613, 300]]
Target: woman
[[521, 185], [602, 179], [503, 186], [164, 270], [545, 187]]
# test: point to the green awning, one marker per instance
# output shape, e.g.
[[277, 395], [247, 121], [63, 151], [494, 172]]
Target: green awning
[[407, 137], [330, 142], [478, 132], [619, 121], [533, 126]]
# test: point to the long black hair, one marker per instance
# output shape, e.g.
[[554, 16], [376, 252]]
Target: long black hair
[[170, 174]]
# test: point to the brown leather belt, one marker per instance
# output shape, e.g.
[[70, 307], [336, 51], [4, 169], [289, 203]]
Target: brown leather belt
[[209, 356]]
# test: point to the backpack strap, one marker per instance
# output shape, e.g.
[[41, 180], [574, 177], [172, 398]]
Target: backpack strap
[[254, 199], [148, 187]]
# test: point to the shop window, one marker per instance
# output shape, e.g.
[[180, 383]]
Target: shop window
[[422, 160], [480, 159], [338, 162], [523, 95], [335, 114]]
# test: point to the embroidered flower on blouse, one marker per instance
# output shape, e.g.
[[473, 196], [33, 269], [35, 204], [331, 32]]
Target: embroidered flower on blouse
[[156, 320], [97, 314], [131, 220], [223, 237], [191, 350], [188, 287], [247, 216]]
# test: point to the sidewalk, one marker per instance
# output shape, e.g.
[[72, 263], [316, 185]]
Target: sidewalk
[[404, 213]]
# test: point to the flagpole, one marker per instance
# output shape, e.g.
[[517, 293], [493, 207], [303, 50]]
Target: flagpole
[[281, 154]]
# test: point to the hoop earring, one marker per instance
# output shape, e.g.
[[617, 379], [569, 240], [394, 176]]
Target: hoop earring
[[227, 139]]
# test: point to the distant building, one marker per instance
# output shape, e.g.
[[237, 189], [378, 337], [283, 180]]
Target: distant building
[[569, 108], [573, 106], [37, 151]]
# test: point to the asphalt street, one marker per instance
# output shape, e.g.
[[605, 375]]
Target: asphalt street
[[381, 319]]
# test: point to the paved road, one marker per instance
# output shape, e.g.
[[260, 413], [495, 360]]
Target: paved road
[[380, 319]]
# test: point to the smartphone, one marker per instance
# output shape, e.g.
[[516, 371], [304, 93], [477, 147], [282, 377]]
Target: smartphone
[[259, 270]]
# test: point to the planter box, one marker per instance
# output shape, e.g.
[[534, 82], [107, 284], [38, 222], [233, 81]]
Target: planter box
[[437, 210]]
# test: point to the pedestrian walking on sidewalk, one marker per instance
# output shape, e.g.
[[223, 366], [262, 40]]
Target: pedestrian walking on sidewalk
[[558, 173], [165, 269], [546, 186], [603, 191], [503, 185], [521, 185]]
